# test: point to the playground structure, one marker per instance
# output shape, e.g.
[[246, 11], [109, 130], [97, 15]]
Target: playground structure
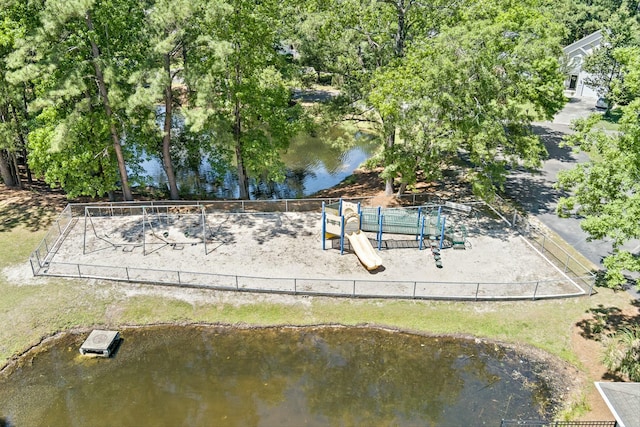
[[152, 228], [426, 223], [345, 219]]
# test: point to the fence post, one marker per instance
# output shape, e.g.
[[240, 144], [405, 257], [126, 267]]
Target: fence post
[[237, 286], [126, 270], [79, 273], [38, 258], [535, 291], [354, 288], [415, 284], [179, 280], [295, 286], [477, 290]]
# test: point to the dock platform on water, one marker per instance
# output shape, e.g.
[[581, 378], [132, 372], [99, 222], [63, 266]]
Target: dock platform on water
[[100, 343]]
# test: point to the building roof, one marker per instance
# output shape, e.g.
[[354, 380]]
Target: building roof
[[585, 44], [623, 400], [576, 51]]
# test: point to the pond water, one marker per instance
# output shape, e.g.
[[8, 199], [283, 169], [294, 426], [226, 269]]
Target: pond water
[[312, 163], [223, 376]]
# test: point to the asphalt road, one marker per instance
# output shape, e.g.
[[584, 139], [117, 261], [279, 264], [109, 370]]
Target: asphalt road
[[536, 191]]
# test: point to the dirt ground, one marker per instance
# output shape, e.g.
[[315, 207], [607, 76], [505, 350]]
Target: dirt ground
[[289, 245], [35, 207]]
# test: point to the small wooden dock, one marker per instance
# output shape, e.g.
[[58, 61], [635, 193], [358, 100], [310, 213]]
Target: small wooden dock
[[100, 343]]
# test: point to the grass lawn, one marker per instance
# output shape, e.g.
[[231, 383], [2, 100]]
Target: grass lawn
[[610, 120]]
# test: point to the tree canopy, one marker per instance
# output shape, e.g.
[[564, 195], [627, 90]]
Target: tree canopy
[[97, 85], [606, 190]]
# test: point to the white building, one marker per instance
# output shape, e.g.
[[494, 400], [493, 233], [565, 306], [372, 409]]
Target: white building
[[574, 57]]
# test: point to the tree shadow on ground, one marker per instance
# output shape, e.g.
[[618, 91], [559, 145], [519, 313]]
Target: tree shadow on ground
[[279, 225], [607, 320], [532, 192], [35, 208], [552, 141], [532, 189]]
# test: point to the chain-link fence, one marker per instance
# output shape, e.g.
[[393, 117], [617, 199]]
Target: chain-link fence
[[473, 291], [536, 423], [42, 255], [551, 247], [42, 262]]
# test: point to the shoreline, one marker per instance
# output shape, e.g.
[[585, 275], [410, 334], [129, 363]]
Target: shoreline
[[556, 374]]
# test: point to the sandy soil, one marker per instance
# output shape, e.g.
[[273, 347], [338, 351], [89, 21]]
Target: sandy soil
[[269, 250]]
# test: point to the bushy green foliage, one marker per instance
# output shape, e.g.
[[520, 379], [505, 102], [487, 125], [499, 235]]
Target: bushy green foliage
[[622, 353], [465, 92], [606, 190]]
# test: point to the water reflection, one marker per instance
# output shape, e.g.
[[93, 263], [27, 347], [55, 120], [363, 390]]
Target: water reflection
[[203, 376], [313, 163]]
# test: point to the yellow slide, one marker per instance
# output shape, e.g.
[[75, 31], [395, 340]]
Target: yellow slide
[[364, 250]]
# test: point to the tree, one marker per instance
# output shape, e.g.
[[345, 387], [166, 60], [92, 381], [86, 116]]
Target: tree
[[83, 166], [606, 76], [16, 18], [240, 88], [467, 91], [606, 189], [582, 17], [171, 28], [80, 56], [375, 36]]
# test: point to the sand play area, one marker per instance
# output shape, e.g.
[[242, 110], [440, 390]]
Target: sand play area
[[283, 252]]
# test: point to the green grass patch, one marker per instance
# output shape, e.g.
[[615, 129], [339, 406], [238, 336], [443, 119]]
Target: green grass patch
[[151, 309], [610, 120], [16, 245], [351, 179], [36, 308]]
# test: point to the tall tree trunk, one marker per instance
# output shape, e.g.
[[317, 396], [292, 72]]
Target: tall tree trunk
[[401, 33], [23, 143], [399, 39], [15, 170], [8, 174], [390, 139], [25, 156], [6, 170], [243, 180], [102, 87], [166, 136]]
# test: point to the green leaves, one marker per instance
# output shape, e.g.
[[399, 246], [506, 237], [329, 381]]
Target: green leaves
[[465, 92], [622, 352], [73, 154], [606, 190]]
